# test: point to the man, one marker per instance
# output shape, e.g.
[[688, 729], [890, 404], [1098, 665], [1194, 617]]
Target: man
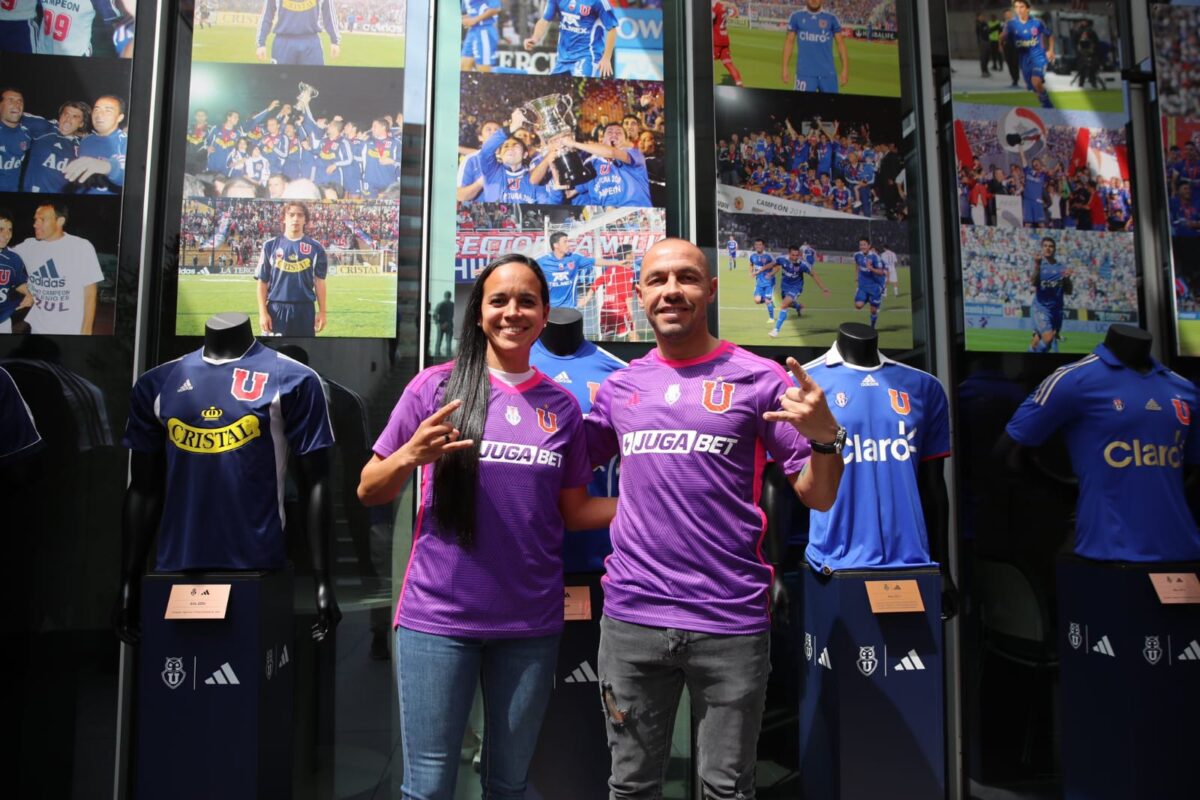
[[721, 14], [17, 132], [686, 590], [14, 281], [764, 269], [792, 268], [291, 276], [470, 176], [67, 25], [983, 43], [63, 273], [222, 141], [197, 142], [19, 26], [50, 153], [381, 159], [1033, 206], [872, 279], [297, 27], [621, 179], [506, 176], [587, 36], [443, 317], [1051, 283], [616, 288], [888, 258], [731, 247], [563, 269], [100, 168], [481, 37], [814, 33], [1025, 35]]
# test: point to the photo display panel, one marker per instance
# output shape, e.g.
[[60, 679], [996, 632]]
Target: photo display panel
[[1044, 205], [812, 221], [1176, 30], [561, 149], [291, 191], [65, 71]]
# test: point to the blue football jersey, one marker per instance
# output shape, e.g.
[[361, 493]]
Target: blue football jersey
[[49, 154], [18, 432], [793, 271], [297, 18], [111, 148], [563, 276], [376, 175], [732, 247], [761, 261], [1051, 286], [581, 27], [895, 417], [1129, 436], [1035, 184], [12, 275], [14, 146], [225, 429], [581, 373], [473, 8], [617, 185], [1027, 37], [290, 267], [866, 278]]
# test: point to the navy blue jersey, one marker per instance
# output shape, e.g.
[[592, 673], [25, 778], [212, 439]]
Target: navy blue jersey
[[1129, 436], [12, 275], [49, 154], [223, 141], [290, 267], [18, 432], [617, 184], [111, 148], [275, 150], [793, 272], [563, 276], [297, 18], [14, 146], [866, 278], [225, 429], [895, 417], [581, 373], [1035, 183], [1050, 290], [582, 25], [377, 176]]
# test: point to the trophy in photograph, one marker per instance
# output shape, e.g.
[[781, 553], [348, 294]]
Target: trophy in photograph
[[307, 93], [553, 119]]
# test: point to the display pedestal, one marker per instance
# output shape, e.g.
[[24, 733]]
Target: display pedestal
[[871, 717], [1130, 670], [572, 758], [214, 705]]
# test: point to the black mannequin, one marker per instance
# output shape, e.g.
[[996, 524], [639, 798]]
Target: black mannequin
[[859, 345], [226, 336], [564, 332], [776, 502], [1131, 346]]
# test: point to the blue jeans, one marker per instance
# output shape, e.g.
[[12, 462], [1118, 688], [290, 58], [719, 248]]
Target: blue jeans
[[436, 677], [643, 671]]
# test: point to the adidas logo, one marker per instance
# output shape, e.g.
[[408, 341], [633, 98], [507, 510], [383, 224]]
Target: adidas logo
[[869, 381], [283, 657], [583, 674], [1152, 405], [824, 659], [1104, 648], [186, 386], [562, 377], [223, 676], [910, 663], [1192, 653]]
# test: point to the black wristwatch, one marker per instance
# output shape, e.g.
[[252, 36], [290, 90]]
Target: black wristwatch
[[829, 448]]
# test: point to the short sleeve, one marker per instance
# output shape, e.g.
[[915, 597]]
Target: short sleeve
[[607, 18], [263, 271], [306, 416], [1044, 411], [793, 23], [790, 450], [935, 434], [320, 263], [144, 431], [411, 409], [1191, 445], [577, 466], [600, 434], [551, 10], [91, 264]]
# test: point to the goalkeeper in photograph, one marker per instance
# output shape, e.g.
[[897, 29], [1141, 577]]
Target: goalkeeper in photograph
[[291, 277]]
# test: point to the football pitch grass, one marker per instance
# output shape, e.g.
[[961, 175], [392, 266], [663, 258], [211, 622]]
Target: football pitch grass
[[1010, 341], [1108, 100], [744, 322], [235, 44], [1189, 337], [758, 54], [362, 306]]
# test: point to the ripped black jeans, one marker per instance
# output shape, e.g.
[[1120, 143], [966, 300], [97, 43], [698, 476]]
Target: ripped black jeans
[[642, 673]]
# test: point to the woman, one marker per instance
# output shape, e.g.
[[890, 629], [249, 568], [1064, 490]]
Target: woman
[[502, 467]]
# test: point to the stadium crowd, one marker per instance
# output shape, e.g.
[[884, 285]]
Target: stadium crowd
[[1176, 31], [998, 268], [1183, 188], [831, 164], [779, 233]]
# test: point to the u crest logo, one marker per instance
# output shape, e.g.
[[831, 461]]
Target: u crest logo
[[247, 386], [900, 403], [1182, 411], [547, 420], [717, 396]]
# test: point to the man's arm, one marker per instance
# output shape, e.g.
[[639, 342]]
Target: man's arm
[[264, 319], [839, 39], [319, 287], [602, 150], [264, 28], [605, 67], [817, 281], [788, 44], [539, 32], [329, 22], [804, 407], [89, 308]]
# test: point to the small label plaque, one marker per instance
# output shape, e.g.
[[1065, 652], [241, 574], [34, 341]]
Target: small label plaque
[[577, 603], [198, 601], [894, 597], [1176, 587]]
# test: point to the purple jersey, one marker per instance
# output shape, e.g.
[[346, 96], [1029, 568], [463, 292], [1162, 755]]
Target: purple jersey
[[687, 538], [510, 583]]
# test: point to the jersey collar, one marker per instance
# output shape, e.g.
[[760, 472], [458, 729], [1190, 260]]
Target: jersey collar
[[220, 361], [1107, 357], [834, 357]]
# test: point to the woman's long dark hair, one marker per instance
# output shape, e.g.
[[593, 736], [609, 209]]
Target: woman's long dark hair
[[456, 474]]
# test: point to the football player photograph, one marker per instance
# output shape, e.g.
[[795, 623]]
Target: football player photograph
[[291, 277], [502, 468]]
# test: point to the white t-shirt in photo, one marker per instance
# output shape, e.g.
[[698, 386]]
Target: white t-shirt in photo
[[59, 271]]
